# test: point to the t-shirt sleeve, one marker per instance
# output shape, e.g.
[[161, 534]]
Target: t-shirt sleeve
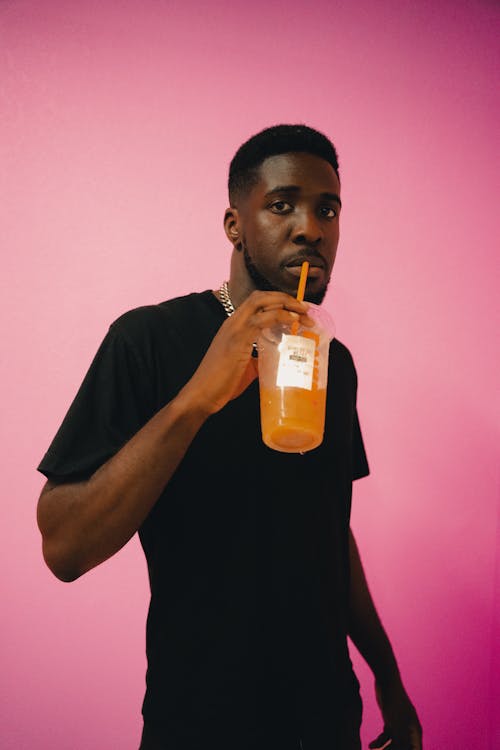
[[360, 466], [112, 404]]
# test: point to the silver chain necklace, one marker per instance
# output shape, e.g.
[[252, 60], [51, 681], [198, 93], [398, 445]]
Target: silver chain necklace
[[228, 306], [226, 299]]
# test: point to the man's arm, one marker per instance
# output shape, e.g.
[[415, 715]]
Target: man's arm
[[401, 723], [85, 523]]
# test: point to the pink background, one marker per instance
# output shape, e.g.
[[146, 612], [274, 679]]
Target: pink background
[[118, 120]]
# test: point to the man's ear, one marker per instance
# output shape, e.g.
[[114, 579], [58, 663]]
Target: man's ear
[[232, 227]]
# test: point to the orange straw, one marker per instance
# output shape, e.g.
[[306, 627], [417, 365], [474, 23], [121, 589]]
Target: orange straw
[[301, 291], [302, 281]]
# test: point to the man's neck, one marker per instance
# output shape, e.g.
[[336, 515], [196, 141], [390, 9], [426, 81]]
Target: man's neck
[[240, 284]]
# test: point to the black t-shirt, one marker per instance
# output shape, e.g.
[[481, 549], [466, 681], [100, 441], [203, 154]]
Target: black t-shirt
[[247, 548]]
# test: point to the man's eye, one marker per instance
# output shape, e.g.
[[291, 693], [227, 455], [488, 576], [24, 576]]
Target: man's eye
[[281, 207], [328, 212]]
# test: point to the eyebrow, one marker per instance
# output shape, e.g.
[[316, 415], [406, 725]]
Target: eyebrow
[[296, 189]]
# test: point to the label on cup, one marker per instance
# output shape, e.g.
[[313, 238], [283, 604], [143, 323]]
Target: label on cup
[[296, 363]]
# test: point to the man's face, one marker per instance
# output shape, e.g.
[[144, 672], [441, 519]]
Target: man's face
[[291, 215]]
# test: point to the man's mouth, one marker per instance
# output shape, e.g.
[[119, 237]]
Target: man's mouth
[[316, 267], [314, 272]]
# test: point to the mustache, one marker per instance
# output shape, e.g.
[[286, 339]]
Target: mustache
[[306, 253]]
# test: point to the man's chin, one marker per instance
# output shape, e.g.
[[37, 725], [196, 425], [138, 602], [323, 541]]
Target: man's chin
[[316, 297], [315, 292]]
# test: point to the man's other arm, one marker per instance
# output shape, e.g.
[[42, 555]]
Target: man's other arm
[[401, 723]]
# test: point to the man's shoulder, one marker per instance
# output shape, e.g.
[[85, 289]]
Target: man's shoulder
[[342, 363], [340, 352], [156, 316]]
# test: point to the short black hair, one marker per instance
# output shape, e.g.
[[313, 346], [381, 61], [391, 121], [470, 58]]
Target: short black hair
[[278, 139]]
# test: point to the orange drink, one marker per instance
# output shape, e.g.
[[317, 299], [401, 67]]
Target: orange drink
[[292, 419]]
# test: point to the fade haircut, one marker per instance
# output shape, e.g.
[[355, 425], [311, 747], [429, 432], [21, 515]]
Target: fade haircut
[[279, 139]]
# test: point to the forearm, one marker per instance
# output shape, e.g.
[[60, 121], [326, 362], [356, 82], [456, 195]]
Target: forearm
[[365, 628], [85, 523]]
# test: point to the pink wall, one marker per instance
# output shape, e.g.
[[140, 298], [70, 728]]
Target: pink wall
[[117, 123]]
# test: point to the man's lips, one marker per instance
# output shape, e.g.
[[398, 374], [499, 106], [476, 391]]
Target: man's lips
[[317, 265], [314, 272]]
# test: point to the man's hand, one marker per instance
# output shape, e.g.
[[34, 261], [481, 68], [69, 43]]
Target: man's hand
[[227, 368], [402, 729]]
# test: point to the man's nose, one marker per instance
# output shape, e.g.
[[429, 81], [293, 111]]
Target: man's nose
[[307, 228]]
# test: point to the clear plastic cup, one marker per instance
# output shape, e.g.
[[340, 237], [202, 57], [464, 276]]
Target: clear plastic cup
[[293, 374]]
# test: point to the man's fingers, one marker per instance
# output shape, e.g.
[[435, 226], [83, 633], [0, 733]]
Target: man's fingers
[[273, 300], [416, 738], [279, 306], [266, 309], [269, 318], [384, 740]]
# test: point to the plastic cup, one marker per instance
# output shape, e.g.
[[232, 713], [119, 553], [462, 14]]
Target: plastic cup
[[293, 375]]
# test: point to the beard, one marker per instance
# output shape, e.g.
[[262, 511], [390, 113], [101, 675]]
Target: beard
[[264, 285]]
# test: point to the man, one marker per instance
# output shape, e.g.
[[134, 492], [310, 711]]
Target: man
[[255, 576]]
